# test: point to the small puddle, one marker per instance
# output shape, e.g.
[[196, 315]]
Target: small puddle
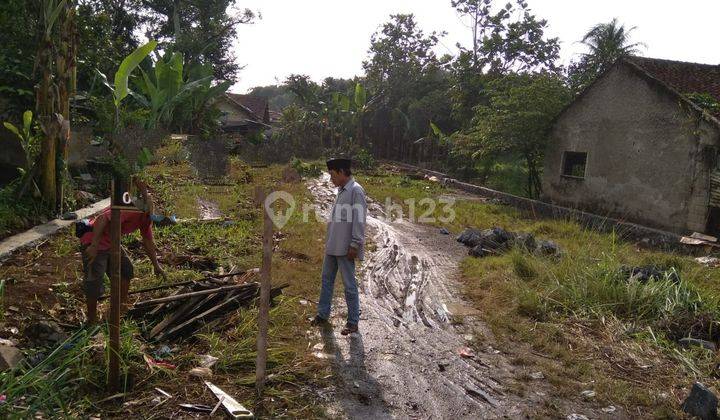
[[208, 210]]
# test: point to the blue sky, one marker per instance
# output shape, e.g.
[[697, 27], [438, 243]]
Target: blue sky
[[331, 37]]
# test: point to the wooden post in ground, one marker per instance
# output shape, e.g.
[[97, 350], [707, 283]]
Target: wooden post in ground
[[114, 315], [264, 303]]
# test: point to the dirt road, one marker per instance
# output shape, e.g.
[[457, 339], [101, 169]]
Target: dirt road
[[405, 361]]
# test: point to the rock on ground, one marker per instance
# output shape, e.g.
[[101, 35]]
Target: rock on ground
[[493, 239], [498, 240], [45, 333], [701, 402], [695, 342], [10, 357], [548, 248]]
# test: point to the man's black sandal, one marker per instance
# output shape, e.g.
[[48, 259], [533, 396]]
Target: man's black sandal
[[349, 329], [318, 320]]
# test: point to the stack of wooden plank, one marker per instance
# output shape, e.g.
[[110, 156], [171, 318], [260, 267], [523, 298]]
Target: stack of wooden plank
[[197, 304]]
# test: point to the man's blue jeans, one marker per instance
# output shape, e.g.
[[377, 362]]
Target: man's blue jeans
[[331, 263]]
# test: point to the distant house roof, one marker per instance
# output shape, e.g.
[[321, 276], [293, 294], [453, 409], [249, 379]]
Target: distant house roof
[[258, 105], [245, 120], [681, 77]]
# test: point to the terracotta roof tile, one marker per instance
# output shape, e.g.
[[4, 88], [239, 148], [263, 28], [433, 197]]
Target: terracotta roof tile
[[683, 77]]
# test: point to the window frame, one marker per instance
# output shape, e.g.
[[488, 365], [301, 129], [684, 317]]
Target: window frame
[[564, 162]]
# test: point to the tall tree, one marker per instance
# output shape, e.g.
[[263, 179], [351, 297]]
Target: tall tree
[[107, 31], [278, 96], [202, 30], [402, 68], [508, 39], [55, 63], [306, 90], [606, 43], [516, 120], [18, 18]]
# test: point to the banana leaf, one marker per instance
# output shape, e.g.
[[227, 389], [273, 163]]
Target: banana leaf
[[126, 68]]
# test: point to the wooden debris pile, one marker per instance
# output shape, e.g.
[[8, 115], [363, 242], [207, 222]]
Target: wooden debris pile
[[197, 304]]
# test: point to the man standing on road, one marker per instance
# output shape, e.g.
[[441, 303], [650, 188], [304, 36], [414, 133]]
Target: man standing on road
[[95, 246], [344, 244]]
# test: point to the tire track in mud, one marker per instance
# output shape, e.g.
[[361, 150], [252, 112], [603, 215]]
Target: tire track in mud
[[405, 362]]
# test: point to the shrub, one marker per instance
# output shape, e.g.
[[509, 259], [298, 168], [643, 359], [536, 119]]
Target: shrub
[[311, 169], [365, 159]]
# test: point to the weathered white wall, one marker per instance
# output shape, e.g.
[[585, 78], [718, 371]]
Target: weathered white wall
[[232, 114], [645, 154]]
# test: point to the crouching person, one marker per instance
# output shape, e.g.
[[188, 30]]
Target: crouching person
[[95, 246]]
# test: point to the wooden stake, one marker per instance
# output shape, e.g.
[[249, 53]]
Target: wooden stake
[[114, 315], [264, 304]]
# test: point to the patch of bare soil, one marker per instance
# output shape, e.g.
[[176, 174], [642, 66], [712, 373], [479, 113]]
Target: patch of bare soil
[[422, 352], [40, 285]]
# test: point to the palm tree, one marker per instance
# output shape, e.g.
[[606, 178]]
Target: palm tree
[[607, 42]]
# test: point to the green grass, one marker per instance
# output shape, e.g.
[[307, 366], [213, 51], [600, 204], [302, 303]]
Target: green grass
[[289, 365], [578, 310], [72, 383], [68, 377], [508, 176]]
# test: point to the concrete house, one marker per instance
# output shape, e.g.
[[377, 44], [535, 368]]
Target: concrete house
[[641, 145]]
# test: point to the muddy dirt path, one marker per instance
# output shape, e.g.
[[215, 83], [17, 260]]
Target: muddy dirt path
[[405, 362]]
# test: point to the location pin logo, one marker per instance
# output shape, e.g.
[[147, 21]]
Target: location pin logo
[[280, 219]]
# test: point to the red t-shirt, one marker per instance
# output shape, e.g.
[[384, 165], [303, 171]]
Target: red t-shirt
[[130, 221]]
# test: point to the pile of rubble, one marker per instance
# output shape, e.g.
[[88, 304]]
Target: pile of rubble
[[497, 241], [197, 304]]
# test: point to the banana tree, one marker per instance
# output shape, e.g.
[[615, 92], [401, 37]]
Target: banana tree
[[346, 112], [195, 112], [120, 89], [25, 134], [47, 99], [163, 88], [338, 114]]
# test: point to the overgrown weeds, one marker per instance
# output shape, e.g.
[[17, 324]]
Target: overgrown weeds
[[74, 379], [581, 319], [603, 289], [309, 169], [64, 377]]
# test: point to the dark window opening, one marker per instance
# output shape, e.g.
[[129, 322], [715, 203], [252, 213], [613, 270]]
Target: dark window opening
[[713, 222], [574, 164]]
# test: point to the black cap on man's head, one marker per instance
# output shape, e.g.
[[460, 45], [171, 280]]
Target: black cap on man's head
[[337, 164]]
